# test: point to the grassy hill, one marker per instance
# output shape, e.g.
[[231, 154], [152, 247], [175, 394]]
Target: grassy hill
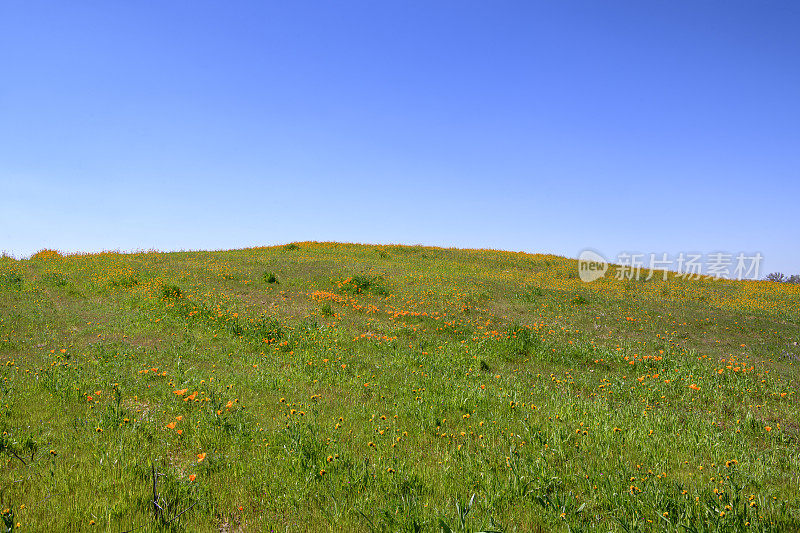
[[320, 386]]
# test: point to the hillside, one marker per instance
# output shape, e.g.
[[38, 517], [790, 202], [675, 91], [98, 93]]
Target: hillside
[[322, 386]]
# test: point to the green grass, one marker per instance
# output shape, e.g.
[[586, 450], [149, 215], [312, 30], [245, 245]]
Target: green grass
[[398, 389]]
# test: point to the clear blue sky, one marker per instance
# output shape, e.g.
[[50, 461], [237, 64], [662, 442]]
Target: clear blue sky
[[538, 126]]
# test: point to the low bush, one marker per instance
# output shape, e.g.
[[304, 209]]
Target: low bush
[[10, 280], [364, 283], [171, 292]]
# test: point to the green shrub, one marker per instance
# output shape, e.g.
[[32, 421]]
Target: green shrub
[[171, 292], [364, 283], [270, 277], [266, 327], [521, 340], [10, 280], [54, 279], [291, 246], [126, 282], [530, 294]]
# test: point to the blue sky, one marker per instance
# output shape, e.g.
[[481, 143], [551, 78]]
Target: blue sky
[[535, 126]]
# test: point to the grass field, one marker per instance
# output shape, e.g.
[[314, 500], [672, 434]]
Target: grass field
[[320, 386]]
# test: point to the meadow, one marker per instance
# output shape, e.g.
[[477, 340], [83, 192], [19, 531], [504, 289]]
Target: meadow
[[339, 387]]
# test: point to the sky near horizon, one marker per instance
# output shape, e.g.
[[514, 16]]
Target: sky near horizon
[[653, 127]]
